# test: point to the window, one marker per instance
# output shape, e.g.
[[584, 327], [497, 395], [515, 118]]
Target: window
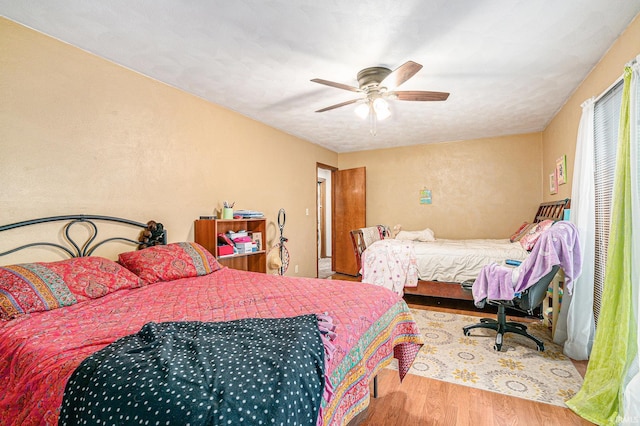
[[606, 121]]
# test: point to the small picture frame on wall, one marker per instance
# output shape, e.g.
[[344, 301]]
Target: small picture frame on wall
[[425, 196], [553, 183], [561, 169]]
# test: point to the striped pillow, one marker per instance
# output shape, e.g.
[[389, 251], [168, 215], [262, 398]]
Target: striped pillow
[[34, 287], [31, 287], [169, 262]]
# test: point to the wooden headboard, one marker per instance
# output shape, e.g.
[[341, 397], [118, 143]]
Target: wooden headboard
[[553, 210], [151, 233]]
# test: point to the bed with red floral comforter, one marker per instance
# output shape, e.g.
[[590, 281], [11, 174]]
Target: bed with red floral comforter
[[40, 350]]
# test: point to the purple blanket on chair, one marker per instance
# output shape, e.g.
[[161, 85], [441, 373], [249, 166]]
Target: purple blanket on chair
[[558, 245]]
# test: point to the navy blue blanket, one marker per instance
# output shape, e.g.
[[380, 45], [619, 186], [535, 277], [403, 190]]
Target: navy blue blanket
[[250, 371]]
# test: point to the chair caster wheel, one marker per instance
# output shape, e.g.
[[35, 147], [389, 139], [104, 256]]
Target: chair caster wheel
[[467, 332], [497, 348], [540, 348]]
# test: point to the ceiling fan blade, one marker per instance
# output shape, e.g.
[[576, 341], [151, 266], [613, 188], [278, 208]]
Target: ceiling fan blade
[[401, 74], [334, 84], [352, 101], [420, 95]]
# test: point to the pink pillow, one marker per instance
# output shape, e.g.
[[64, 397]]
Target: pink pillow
[[169, 262], [531, 236], [33, 287], [519, 233], [93, 277]]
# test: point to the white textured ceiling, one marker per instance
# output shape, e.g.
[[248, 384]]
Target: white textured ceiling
[[508, 64]]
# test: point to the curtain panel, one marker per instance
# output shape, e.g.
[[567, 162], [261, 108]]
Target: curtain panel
[[575, 324], [609, 393]]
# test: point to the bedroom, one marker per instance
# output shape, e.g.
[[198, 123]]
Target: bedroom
[[82, 134]]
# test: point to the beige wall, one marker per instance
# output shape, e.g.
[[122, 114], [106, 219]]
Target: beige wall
[[483, 188], [560, 135], [79, 134], [480, 188]]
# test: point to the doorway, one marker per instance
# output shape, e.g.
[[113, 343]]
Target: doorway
[[341, 204], [324, 218]]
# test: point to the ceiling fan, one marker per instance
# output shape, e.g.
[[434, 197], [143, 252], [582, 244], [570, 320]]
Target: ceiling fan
[[379, 84]]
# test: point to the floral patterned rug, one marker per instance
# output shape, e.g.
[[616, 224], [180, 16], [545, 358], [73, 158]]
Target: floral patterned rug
[[517, 370]]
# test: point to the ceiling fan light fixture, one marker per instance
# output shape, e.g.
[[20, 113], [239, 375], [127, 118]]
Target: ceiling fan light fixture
[[362, 110], [378, 84], [381, 108], [375, 110]]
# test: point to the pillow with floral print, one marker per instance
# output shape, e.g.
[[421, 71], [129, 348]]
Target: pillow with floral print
[[529, 239], [169, 262], [43, 286]]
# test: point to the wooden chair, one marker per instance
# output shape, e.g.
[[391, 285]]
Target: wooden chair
[[360, 242]]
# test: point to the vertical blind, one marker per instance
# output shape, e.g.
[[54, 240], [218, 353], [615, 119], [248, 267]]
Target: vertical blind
[[606, 122], [637, 121]]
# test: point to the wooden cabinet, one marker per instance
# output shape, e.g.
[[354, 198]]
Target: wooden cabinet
[[206, 234], [553, 301]]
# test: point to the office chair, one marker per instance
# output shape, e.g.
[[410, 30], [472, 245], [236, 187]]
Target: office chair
[[528, 300]]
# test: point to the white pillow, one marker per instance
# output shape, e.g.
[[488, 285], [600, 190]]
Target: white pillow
[[424, 235]]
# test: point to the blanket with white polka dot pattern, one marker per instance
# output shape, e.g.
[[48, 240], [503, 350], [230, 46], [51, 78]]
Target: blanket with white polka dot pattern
[[254, 371]]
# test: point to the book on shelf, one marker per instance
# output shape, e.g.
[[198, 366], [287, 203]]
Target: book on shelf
[[249, 214]]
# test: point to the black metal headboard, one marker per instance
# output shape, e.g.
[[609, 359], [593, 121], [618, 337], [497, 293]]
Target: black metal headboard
[[152, 233]]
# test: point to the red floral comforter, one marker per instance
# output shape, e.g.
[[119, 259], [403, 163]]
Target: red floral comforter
[[38, 352]]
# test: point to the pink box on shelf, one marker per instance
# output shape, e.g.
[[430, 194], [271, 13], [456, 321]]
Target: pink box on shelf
[[225, 250]]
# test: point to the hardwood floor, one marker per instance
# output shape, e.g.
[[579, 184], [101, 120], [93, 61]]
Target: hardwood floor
[[421, 401]]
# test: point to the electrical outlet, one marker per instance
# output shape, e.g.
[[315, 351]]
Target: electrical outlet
[[296, 269], [307, 211]]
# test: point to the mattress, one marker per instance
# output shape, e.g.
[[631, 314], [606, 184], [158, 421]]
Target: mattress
[[461, 260]]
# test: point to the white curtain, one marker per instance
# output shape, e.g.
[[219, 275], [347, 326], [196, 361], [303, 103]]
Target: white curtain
[[575, 325], [631, 397]]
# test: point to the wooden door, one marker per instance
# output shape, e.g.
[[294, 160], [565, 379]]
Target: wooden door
[[349, 212]]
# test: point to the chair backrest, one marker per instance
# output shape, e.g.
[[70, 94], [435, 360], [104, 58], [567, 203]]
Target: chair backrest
[[358, 246], [360, 240], [534, 295]]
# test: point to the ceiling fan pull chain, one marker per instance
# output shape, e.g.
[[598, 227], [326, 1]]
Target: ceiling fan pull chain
[[373, 120]]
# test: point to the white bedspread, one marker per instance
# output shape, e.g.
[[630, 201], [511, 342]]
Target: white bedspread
[[461, 260]]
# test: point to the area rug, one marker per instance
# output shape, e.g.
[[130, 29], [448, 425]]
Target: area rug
[[519, 369]]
